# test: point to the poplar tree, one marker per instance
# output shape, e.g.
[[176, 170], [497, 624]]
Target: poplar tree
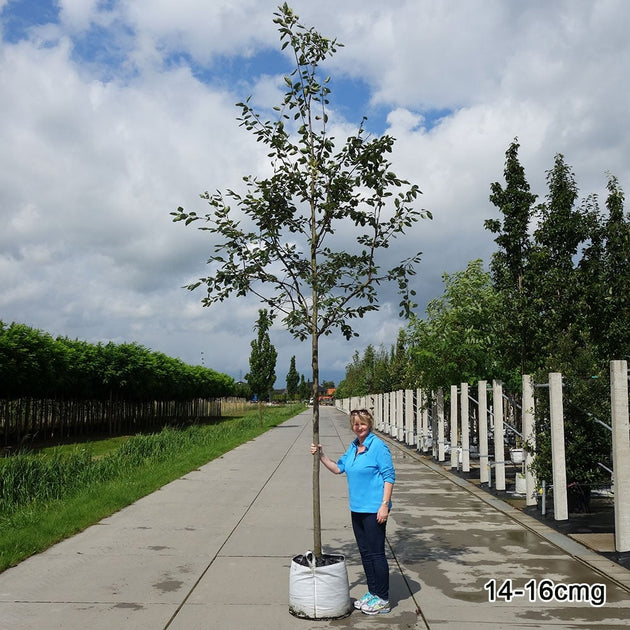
[[510, 266], [616, 269], [293, 380], [262, 360]]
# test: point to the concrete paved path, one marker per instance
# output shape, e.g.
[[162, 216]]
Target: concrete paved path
[[213, 550]]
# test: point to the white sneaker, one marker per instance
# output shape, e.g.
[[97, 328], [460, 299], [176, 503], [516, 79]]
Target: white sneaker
[[376, 606], [364, 600]]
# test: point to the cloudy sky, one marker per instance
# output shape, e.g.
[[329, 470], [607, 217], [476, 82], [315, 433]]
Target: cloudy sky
[[115, 112]]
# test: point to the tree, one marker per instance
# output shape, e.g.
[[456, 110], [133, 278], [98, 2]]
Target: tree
[[293, 380], [399, 362], [367, 374], [564, 262], [262, 360], [613, 322], [305, 240], [304, 390], [510, 264], [456, 341]]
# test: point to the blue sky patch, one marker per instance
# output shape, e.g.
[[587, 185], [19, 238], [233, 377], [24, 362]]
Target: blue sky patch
[[19, 17]]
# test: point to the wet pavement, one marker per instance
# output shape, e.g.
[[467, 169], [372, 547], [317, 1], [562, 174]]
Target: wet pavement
[[464, 547], [213, 550]]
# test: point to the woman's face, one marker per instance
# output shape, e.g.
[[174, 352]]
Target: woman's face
[[360, 427]]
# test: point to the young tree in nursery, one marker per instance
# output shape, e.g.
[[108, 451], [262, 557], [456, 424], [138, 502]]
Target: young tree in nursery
[[306, 238], [563, 229], [304, 390], [510, 265], [262, 360], [293, 380], [399, 362], [456, 341], [616, 282], [562, 291]]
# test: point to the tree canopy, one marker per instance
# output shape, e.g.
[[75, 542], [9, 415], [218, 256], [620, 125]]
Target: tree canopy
[[262, 360], [306, 239], [33, 363], [555, 300]]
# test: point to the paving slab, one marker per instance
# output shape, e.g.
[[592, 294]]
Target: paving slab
[[213, 550]]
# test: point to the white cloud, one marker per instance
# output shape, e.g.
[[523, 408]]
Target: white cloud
[[78, 14], [102, 138]]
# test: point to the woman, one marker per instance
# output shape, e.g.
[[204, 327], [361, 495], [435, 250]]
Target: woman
[[370, 473]]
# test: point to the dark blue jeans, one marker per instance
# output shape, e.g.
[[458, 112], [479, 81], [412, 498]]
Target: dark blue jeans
[[370, 537]]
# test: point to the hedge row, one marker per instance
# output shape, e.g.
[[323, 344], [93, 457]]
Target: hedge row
[[34, 364]]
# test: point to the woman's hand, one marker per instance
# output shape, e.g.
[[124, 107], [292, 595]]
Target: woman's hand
[[328, 463], [382, 514]]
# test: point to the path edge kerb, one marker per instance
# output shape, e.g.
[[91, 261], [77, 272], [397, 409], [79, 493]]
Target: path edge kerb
[[559, 540]]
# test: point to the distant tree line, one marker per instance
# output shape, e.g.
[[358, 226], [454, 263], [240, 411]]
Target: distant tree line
[[555, 299], [34, 364]]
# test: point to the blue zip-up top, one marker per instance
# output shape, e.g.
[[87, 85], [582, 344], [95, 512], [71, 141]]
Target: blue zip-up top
[[367, 472]]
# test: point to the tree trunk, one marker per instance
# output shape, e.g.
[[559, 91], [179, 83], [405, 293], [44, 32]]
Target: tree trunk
[[317, 520]]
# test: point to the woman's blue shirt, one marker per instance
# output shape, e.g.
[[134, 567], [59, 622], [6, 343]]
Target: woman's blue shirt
[[367, 472]]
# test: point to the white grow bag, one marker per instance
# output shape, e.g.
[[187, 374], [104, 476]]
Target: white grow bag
[[319, 592]]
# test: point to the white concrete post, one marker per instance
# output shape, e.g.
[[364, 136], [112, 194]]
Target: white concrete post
[[499, 447], [433, 442], [393, 416], [453, 426], [409, 417], [418, 425], [385, 413], [558, 463], [403, 431], [379, 410], [482, 398], [393, 402], [465, 428], [529, 435], [422, 430], [621, 452], [425, 422], [370, 405], [439, 408], [375, 411], [400, 417]]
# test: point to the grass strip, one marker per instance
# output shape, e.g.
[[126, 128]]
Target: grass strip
[[90, 488]]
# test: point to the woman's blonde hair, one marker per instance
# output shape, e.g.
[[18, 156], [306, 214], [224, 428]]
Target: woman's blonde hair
[[364, 414]]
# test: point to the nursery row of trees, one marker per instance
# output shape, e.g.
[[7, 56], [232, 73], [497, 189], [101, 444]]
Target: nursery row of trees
[[555, 299], [34, 364]]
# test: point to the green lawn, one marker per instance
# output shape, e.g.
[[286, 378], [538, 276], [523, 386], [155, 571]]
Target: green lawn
[[57, 492]]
